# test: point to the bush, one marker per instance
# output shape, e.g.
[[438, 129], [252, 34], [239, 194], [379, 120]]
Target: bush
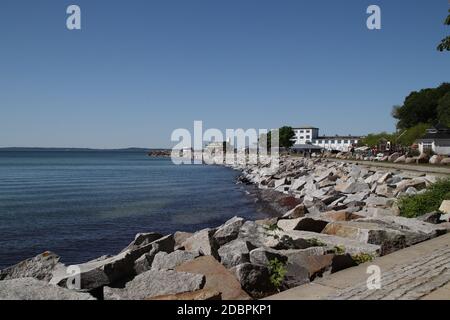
[[429, 201]]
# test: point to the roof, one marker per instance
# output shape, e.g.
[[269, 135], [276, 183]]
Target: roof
[[436, 136], [306, 127]]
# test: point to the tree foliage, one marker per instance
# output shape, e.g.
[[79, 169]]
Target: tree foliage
[[410, 135], [287, 135], [372, 140], [445, 43], [425, 106]]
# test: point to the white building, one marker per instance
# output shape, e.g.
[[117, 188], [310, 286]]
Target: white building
[[310, 135], [436, 139]]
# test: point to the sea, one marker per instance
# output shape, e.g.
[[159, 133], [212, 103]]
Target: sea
[[85, 204]]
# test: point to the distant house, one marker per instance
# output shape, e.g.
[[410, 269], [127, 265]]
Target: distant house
[[310, 135], [436, 139]]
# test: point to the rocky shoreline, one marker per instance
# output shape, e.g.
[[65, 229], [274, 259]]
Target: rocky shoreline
[[332, 216]]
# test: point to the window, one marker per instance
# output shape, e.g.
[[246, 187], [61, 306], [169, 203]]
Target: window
[[427, 146], [302, 137], [308, 137], [319, 141], [339, 141], [301, 131], [346, 141]]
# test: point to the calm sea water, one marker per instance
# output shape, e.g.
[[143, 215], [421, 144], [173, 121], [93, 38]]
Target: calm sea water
[[82, 205]]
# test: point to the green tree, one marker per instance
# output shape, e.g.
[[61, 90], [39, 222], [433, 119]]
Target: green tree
[[410, 135], [443, 110], [287, 135], [445, 43], [420, 107], [372, 139]]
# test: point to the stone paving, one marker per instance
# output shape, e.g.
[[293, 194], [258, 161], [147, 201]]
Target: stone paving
[[421, 271], [405, 282]]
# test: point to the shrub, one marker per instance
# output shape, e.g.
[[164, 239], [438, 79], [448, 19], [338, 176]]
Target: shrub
[[277, 272], [429, 201]]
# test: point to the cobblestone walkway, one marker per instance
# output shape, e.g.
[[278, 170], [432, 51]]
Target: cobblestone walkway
[[405, 282]]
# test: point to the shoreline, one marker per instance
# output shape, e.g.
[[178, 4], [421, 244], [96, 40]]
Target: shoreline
[[327, 216]]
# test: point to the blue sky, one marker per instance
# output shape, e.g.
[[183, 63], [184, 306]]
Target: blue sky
[[141, 68]]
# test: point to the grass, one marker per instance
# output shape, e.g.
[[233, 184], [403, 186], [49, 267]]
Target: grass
[[429, 201]]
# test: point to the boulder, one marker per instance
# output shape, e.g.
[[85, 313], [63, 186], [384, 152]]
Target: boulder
[[39, 267], [218, 278], [144, 263], [352, 187], [254, 279], [330, 242], [385, 191], [394, 157], [33, 289], [235, 252], [342, 215], [143, 239], [229, 231], [202, 242], [417, 183], [445, 207], [445, 161], [400, 159], [199, 295], [384, 177], [374, 201], [95, 274], [156, 283], [298, 184], [409, 160], [263, 256], [431, 217], [436, 159], [179, 237], [169, 261], [309, 223]]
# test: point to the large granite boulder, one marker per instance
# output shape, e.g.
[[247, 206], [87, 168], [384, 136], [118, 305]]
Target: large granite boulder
[[229, 231], [156, 283], [235, 252], [202, 242], [39, 267], [169, 261], [98, 273], [309, 223], [254, 279], [445, 207], [143, 239], [218, 278], [352, 187], [263, 256], [33, 289]]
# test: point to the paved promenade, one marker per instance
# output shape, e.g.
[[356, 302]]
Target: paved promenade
[[418, 272]]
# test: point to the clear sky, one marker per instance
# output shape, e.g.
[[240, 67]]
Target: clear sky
[[139, 69]]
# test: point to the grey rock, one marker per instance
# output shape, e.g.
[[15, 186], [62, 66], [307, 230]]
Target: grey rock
[[229, 231], [254, 279], [169, 261], [180, 237], [263, 256], [352, 187], [33, 289], [156, 283], [202, 242], [431, 217], [235, 252], [39, 267], [143, 239]]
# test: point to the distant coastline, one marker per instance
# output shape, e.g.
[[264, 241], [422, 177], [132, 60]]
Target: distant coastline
[[131, 149]]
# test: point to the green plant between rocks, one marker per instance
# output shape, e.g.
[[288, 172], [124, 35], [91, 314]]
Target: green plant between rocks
[[339, 250], [429, 201], [361, 258], [277, 271]]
